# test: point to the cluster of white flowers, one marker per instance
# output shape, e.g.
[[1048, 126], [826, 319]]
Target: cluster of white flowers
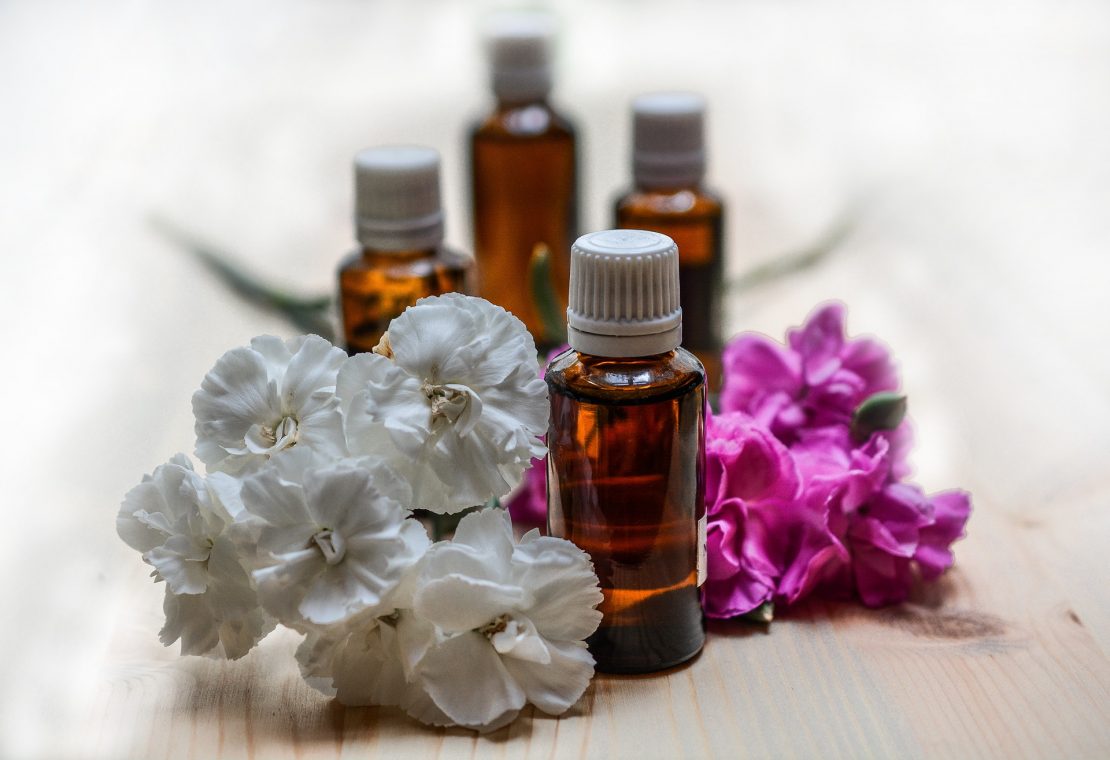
[[315, 461]]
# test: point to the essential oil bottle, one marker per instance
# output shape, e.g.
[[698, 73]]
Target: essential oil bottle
[[399, 225], [523, 169], [626, 461], [668, 166]]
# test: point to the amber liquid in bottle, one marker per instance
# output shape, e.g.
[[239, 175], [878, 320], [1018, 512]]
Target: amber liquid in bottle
[[626, 484], [524, 194], [693, 218], [376, 286]]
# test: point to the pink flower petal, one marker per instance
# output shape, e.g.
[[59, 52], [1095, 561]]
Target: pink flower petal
[[756, 364], [819, 342], [951, 511]]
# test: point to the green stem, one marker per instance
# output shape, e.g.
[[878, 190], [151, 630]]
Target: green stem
[[307, 313], [796, 261]]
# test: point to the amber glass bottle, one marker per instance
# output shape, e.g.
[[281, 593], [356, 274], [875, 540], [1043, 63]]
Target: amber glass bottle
[[523, 170], [399, 225], [626, 449], [668, 165]]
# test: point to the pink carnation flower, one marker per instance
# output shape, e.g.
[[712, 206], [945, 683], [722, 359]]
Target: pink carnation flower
[[896, 530], [851, 528], [818, 379], [766, 540]]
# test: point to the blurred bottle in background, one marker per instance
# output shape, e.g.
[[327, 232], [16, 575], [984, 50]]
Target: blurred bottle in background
[[523, 169], [399, 226], [668, 166]]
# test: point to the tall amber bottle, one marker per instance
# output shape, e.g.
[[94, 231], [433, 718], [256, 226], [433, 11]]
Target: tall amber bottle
[[625, 478], [399, 224], [668, 167], [523, 170]]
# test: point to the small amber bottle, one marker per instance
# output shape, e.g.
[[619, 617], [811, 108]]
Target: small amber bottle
[[626, 461], [523, 169], [668, 166], [399, 225]]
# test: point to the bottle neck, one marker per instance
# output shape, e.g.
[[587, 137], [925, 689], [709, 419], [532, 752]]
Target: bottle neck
[[592, 359], [624, 346], [506, 104], [381, 255], [669, 188]]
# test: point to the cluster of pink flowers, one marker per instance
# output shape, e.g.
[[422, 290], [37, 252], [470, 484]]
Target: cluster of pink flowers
[[806, 463], [805, 470]]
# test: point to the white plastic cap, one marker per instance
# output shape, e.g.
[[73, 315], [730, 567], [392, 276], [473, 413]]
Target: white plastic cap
[[397, 204], [668, 137], [519, 44], [624, 294]]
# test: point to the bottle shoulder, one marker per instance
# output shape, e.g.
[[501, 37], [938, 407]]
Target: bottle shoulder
[[625, 380], [692, 203], [530, 120], [415, 262]]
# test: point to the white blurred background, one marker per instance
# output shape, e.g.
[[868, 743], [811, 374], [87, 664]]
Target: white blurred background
[[970, 142]]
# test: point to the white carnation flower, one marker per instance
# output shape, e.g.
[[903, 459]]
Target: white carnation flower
[[333, 540], [180, 522], [373, 661], [264, 399], [510, 622], [452, 401]]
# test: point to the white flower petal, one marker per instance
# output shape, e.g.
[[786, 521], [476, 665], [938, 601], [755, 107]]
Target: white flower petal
[[182, 574], [457, 603], [347, 500], [448, 337], [556, 686], [489, 531], [226, 492], [564, 586], [386, 479], [230, 589], [189, 619], [314, 657], [236, 394], [312, 368], [468, 681], [267, 399], [520, 641], [275, 353], [336, 545], [281, 586], [437, 340], [152, 510], [336, 594], [458, 409], [211, 604]]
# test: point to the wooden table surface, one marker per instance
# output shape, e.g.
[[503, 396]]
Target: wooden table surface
[[969, 144]]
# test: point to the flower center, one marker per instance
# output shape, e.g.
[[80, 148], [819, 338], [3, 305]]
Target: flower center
[[331, 545], [517, 638], [453, 404], [494, 627], [283, 435]]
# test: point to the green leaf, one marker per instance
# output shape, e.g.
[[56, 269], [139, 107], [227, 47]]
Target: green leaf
[[882, 411], [763, 614], [552, 318], [796, 261], [310, 314]]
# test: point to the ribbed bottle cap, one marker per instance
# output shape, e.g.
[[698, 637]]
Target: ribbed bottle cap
[[519, 44], [624, 294], [397, 204], [668, 139]]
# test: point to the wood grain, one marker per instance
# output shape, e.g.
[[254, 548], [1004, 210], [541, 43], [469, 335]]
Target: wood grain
[[967, 142]]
